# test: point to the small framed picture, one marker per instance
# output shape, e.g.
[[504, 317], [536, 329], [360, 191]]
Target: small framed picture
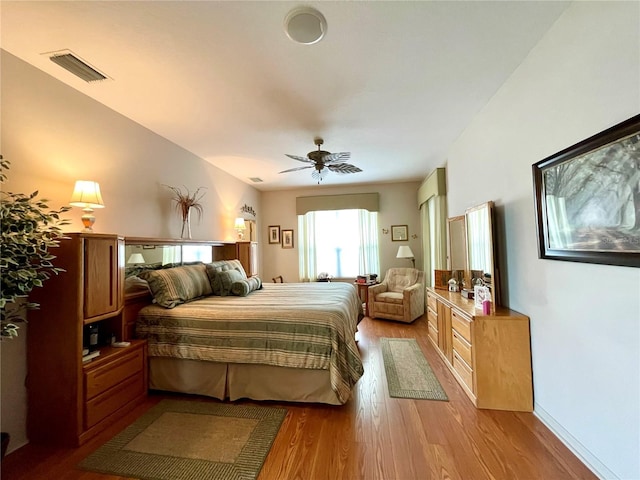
[[274, 233], [287, 238], [399, 233]]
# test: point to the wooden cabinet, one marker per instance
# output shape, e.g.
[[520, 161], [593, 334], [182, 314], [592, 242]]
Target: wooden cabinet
[[490, 355], [439, 328], [246, 252], [70, 401]]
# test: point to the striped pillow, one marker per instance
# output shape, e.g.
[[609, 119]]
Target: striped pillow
[[224, 280], [242, 288], [173, 286], [214, 268]]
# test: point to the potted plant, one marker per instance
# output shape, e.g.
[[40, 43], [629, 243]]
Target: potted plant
[[29, 230]]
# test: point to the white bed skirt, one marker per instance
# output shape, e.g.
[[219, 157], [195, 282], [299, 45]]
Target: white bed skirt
[[234, 381]]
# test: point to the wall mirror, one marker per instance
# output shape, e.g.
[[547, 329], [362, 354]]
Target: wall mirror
[[481, 248]]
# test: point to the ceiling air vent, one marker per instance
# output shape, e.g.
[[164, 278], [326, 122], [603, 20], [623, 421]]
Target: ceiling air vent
[[256, 179], [79, 68]]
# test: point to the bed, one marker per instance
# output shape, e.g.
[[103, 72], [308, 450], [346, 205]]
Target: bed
[[286, 341]]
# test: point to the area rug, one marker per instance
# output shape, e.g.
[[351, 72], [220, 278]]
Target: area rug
[[408, 372], [191, 440]]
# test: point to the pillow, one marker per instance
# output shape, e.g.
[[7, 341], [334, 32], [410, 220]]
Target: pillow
[[214, 268], [243, 288], [173, 286], [134, 284], [224, 280]]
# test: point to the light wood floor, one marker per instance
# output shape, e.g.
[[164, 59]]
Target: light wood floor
[[373, 436]]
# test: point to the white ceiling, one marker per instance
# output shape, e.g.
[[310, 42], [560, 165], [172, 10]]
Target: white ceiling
[[394, 83]]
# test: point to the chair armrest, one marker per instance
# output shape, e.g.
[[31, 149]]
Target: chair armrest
[[376, 289], [415, 289]]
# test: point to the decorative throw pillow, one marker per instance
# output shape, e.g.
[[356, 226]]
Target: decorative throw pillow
[[219, 266], [244, 287], [173, 286], [224, 280]]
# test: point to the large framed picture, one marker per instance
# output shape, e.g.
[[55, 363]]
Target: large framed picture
[[587, 199], [287, 238], [399, 233], [274, 233]]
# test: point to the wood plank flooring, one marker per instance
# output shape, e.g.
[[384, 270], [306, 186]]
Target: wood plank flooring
[[373, 436]]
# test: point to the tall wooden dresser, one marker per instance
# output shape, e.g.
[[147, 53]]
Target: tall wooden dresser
[[70, 401]]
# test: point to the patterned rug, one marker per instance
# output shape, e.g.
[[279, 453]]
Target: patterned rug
[[408, 372], [190, 440]]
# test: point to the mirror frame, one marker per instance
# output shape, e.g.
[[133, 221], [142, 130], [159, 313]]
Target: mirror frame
[[489, 206]]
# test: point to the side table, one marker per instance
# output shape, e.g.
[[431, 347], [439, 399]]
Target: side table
[[363, 293]]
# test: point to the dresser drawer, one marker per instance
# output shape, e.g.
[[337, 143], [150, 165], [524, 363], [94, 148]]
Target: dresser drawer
[[108, 402], [463, 370], [433, 333], [432, 302], [462, 347], [100, 379], [461, 324], [432, 317]]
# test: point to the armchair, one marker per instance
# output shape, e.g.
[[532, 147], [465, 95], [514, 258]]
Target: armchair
[[399, 297]]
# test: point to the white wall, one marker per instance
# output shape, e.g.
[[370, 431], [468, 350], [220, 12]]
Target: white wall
[[398, 206], [54, 135], [583, 77]]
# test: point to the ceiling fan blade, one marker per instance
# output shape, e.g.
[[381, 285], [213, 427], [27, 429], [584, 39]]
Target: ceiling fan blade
[[344, 168], [296, 169], [337, 157], [300, 159]]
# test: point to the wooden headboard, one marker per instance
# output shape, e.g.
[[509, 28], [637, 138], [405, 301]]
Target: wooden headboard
[[134, 301]]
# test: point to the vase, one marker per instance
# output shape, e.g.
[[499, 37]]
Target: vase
[[186, 225]]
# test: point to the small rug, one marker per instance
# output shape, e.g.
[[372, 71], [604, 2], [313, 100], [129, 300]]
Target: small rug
[[408, 372], [188, 440]]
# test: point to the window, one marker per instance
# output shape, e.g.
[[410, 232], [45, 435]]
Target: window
[[342, 243]]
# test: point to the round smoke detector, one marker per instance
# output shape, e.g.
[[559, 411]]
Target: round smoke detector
[[305, 25]]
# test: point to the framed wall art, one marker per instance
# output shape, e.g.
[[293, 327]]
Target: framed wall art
[[287, 238], [274, 233], [399, 233], [587, 199]]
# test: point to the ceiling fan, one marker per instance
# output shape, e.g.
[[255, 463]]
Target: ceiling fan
[[323, 162]]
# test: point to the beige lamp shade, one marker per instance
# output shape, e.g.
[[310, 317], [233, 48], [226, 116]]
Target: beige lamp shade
[[404, 251], [136, 258], [240, 227], [86, 194]]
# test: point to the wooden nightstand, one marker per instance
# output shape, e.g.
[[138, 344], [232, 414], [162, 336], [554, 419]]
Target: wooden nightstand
[[363, 293]]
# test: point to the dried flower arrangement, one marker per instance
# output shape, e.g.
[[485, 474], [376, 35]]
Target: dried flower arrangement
[[185, 201]]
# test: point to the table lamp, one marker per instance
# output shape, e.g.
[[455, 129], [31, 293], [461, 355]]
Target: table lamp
[[86, 194]]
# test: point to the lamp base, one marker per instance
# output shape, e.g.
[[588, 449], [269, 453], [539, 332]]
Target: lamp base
[[88, 220]]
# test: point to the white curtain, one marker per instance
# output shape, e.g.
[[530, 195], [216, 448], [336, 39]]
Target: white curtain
[[434, 232], [308, 265], [369, 258]]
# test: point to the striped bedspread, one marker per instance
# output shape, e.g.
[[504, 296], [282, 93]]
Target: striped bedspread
[[301, 325]]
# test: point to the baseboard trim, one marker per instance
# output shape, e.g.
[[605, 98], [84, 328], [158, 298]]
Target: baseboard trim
[[579, 450]]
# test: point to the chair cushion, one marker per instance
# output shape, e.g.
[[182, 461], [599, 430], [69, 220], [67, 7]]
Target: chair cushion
[[390, 297], [400, 278], [172, 286]]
